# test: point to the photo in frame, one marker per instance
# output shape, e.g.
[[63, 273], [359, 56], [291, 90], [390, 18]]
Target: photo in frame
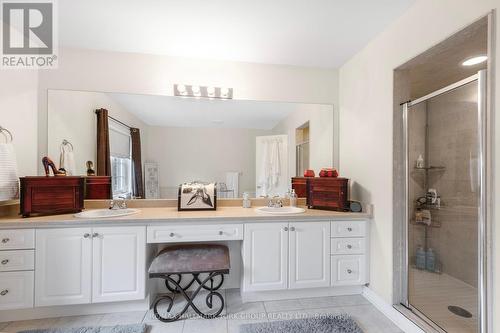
[[197, 196]]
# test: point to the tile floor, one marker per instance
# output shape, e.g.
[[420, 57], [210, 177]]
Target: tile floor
[[432, 293], [236, 314]]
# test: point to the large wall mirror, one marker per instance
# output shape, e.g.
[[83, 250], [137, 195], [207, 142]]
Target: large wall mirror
[[244, 146]]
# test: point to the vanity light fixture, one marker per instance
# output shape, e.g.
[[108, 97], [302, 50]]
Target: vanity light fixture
[[202, 91], [474, 60]]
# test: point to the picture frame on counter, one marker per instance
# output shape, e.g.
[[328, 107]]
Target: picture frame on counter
[[196, 195]]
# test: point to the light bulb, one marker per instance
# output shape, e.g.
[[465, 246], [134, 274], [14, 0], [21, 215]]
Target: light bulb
[[181, 89], [211, 91], [475, 60], [196, 90], [224, 92]]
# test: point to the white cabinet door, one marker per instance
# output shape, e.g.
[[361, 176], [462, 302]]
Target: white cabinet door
[[265, 256], [309, 255], [119, 264], [63, 266]]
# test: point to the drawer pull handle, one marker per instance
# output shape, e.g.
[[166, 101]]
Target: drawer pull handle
[[349, 246], [349, 271], [86, 235], [221, 232], [286, 229], [5, 261], [4, 292], [95, 235], [292, 229], [349, 229], [172, 234], [5, 240]]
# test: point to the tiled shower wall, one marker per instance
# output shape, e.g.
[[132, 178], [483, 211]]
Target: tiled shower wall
[[452, 143]]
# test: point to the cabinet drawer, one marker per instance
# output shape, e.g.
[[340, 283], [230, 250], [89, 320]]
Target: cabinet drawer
[[347, 246], [20, 260], [16, 290], [349, 270], [194, 233], [17, 239], [348, 229]]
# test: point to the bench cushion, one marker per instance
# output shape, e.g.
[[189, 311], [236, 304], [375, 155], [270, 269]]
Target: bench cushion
[[191, 258]]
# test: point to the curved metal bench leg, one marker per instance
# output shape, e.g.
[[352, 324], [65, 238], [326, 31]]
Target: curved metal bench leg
[[189, 300]]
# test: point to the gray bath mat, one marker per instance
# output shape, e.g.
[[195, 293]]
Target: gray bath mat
[[136, 328], [329, 324]]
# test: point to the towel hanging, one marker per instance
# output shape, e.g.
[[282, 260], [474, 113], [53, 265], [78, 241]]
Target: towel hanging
[[7, 134], [9, 181], [67, 158]]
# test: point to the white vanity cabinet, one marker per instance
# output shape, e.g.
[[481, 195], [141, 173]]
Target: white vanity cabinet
[[349, 255], [16, 268], [280, 256], [89, 265]]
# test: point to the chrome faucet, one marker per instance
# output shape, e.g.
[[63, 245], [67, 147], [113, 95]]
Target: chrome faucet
[[119, 203], [275, 202]]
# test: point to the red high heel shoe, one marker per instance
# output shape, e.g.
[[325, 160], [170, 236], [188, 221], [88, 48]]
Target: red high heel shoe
[[47, 162]]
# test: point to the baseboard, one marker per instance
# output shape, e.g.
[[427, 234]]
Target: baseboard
[[390, 312], [277, 295], [73, 310]]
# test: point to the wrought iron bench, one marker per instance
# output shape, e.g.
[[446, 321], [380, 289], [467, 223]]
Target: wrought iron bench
[[190, 259]]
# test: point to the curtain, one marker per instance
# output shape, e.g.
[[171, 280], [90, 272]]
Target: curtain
[[103, 152], [138, 186]]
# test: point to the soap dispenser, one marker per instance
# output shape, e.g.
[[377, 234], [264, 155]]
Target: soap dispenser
[[247, 203], [293, 198]]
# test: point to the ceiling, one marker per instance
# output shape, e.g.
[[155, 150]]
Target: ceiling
[[169, 111], [441, 65], [317, 33]]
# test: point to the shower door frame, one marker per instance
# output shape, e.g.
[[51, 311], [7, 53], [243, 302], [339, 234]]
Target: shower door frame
[[483, 255]]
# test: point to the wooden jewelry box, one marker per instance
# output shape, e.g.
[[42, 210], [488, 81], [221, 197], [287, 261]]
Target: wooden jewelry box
[[51, 195]]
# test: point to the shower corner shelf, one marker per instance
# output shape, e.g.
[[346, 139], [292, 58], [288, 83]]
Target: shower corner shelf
[[432, 168], [434, 224]]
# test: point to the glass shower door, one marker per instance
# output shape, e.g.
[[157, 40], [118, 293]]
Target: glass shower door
[[443, 207]]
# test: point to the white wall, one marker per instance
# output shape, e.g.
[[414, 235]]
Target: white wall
[[71, 116], [18, 114], [366, 110], [186, 154], [321, 135]]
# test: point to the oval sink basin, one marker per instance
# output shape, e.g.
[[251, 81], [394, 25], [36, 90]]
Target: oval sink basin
[[280, 210], [104, 213]]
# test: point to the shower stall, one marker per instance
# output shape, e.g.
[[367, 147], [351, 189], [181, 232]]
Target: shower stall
[[444, 272]]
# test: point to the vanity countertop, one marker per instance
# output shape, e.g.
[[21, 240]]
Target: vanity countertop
[[160, 215]]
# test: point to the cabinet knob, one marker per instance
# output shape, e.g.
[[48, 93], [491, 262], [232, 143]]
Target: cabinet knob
[[349, 229], [5, 261], [172, 234], [5, 240], [86, 235], [221, 232], [286, 229], [292, 229], [95, 234], [349, 271], [349, 246], [4, 292]]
